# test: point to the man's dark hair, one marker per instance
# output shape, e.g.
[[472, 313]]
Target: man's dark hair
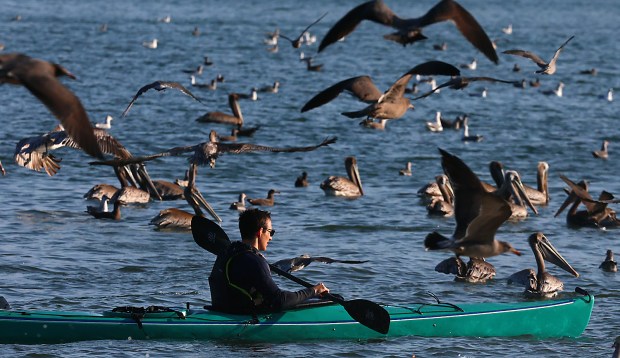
[[251, 220]]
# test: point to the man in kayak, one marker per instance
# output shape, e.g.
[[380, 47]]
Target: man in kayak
[[241, 280]]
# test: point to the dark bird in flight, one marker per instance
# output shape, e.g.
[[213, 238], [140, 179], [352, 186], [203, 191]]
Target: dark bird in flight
[[40, 78], [159, 86], [298, 263], [297, 42], [545, 68], [410, 30], [208, 152]]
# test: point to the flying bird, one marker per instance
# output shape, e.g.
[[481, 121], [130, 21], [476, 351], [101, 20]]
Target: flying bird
[[297, 41], [410, 30], [159, 86], [390, 105], [40, 78], [459, 82], [299, 262], [545, 68]]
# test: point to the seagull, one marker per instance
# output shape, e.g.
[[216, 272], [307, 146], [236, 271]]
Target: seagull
[[406, 171], [435, 126], [603, 153], [107, 124], [297, 42], [507, 30], [150, 44], [470, 66], [239, 205], [558, 91], [459, 82], [478, 215], [410, 30], [298, 263], [159, 86], [545, 68], [40, 78], [390, 105]]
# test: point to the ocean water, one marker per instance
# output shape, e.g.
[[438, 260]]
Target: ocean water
[[55, 256]]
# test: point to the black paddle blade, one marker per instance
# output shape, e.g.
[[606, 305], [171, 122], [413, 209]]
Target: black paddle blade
[[209, 235], [369, 314]]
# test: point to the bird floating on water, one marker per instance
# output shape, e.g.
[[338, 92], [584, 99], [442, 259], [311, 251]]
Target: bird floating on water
[[107, 124], [268, 201], [350, 187], [609, 264], [150, 44], [603, 153]]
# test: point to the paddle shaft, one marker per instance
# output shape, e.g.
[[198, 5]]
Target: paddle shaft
[[296, 279]]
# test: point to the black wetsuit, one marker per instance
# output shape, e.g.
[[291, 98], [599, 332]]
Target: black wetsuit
[[241, 282]]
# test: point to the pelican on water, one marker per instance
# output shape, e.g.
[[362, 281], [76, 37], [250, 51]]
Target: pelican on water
[[609, 265], [475, 271], [542, 283], [347, 187]]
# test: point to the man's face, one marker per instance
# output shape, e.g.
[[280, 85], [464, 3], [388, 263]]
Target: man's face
[[265, 236]]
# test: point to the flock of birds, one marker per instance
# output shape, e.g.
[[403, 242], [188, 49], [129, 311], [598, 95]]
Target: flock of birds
[[479, 208]]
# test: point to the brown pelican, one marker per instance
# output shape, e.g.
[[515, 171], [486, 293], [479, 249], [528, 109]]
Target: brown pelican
[[460, 82], [168, 190], [603, 154], [475, 271], [297, 41], [159, 86], [173, 218], [609, 265], [597, 214], [40, 78], [406, 171], [545, 68], [239, 205], [443, 206], [114, 214], [219, 117], [410, 30], [388, 105], [341, 186], [302, 181], [299, 262], [478, 215], [540, 195], [229, 138], [542, 283], [269, 201], [208, 152], [99, 191], [432, 189], [512, 190], [34, 152]]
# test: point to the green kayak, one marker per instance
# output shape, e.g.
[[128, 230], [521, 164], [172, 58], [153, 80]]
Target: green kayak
[[552, 318]]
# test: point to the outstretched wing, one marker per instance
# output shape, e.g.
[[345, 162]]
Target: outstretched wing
[[238, 148], [527, 54], [375, 11], [361, 87]]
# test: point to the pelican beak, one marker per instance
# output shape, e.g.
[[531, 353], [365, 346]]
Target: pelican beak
[[520, 192], [199, 201], [551, 255], [355, 175]]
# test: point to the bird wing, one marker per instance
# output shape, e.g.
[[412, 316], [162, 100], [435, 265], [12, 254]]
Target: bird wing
[[107, 143], [527, 54], [361, 87], [375, 11], [180, 87], [465, 23], [557, 52], [34, 75], [488, 79], [430, 68], [238, 148], [158, 85]]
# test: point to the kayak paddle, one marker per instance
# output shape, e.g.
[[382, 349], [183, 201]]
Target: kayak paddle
[[211, 237]]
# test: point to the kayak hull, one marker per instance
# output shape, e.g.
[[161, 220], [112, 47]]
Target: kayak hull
[[542, 319]]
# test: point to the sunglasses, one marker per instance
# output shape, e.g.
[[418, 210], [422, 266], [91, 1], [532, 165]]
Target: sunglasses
[[271, 231]]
